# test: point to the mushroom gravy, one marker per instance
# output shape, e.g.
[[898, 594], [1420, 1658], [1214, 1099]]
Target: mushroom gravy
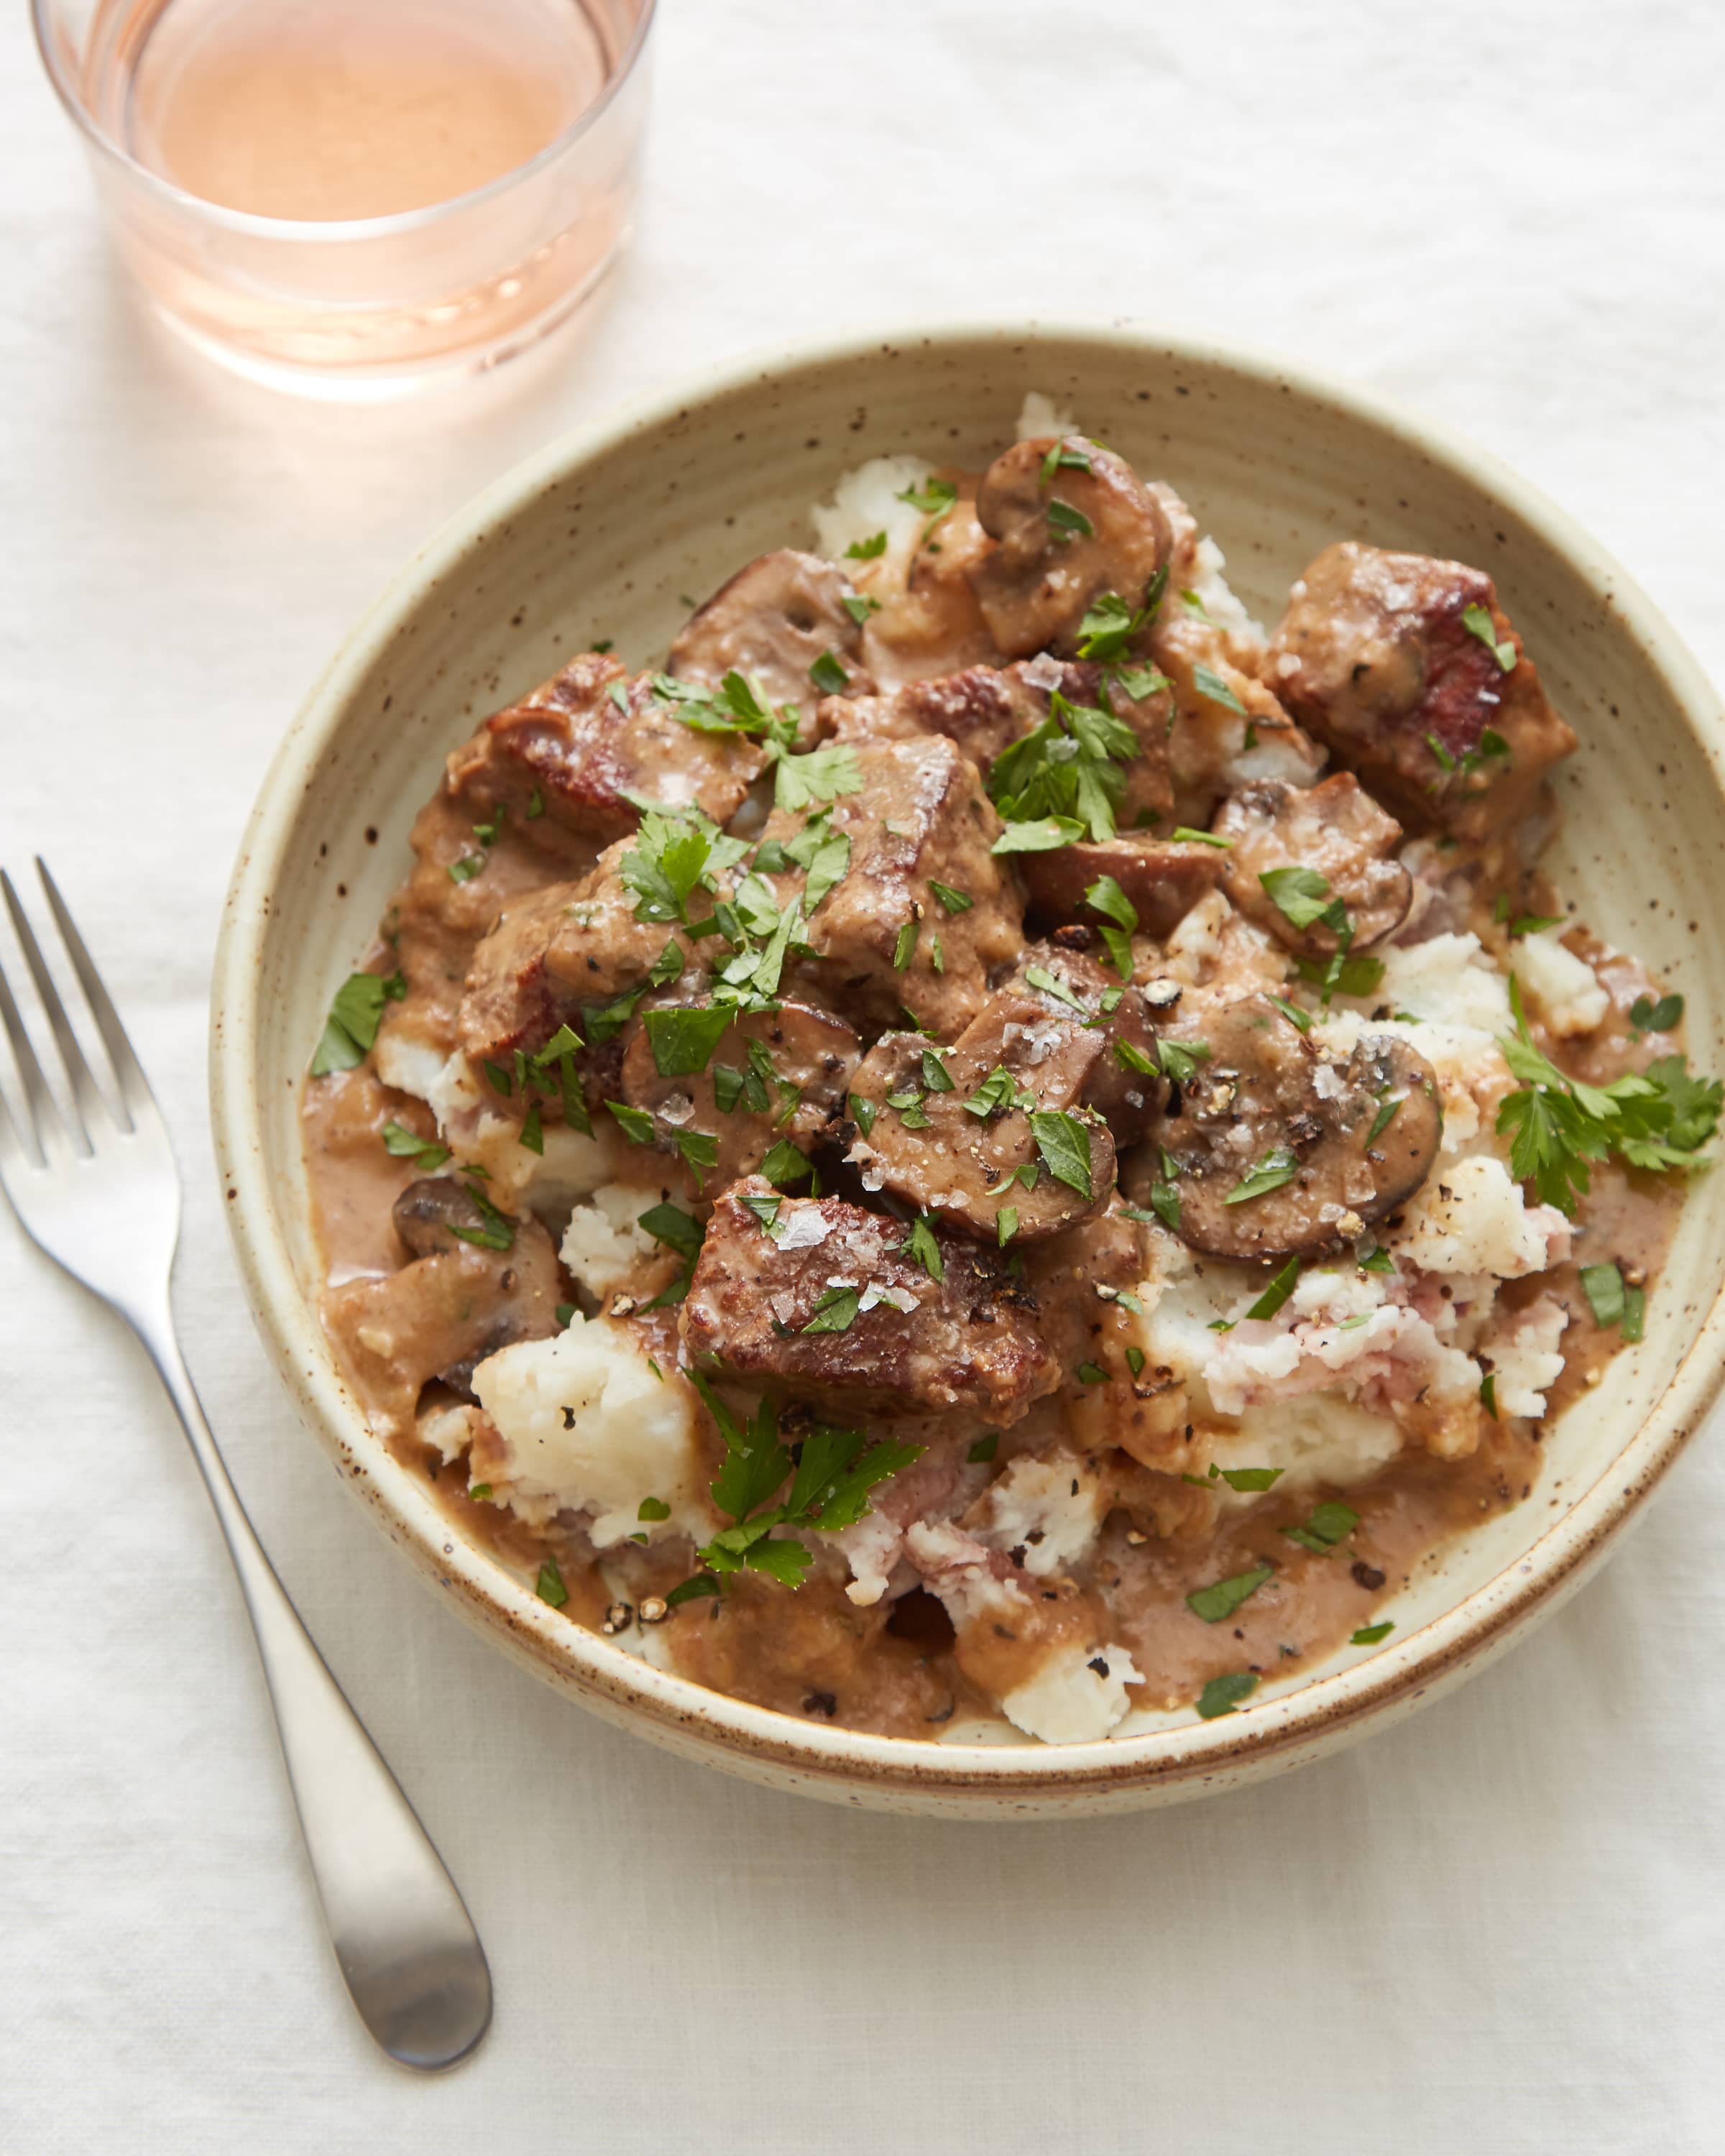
[[991, 1142]]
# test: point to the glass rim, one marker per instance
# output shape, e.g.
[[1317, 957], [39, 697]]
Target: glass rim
[[330, 231]]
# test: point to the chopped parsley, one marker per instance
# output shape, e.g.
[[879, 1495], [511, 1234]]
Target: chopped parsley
[[1104, 896], [1278, 1291], [549, 1586], [828, 675], [1488, 1394], [1302, 896], [935, 1077], [1222, 1695], [1657, 1119], [1368, 1635], [866, 549], [951, 901], [784, 1164], [984, 1449], [1210, 684], [1603, 1286], [1223, 1597], [904, 948], [859, 606], [817, 779], [1330, 1523], [635, 1123], [1664, 1016], [1069, 523], [1006, 1225], [684, 1036], [1067, 771], [1382, 1120], [1299, 1020], [356, 1013], [1180, 1059], [1278, 1166], [863, 1112], [653, 1508], [403, 1144], [1185, 836], [1043, 834], [1346, 976], [1064, 1144], [1532, 924], [1477, 621]]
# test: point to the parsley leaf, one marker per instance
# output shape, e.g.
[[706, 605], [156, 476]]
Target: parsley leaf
[[1209, 684], [355, 1014], [1069, 523], [1602, 1286], [835, 1311], [951, 901], [1302, 896], [1278, 1291], [866, 549], [784, 1164], [684, 1036], [425, 1153], [1278, 1166], [1064, 1144], [828, 675], [636, 1124], [1223, 1597], [1368, 1635], [1222, 1695], [1045, 835], [920, 1245], [1070, 769], [805, 782], [1664, 1016], [1330, 1523], [1477, 621]]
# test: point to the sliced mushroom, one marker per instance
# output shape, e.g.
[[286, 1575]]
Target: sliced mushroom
[[939, 1147], [1123, 1085], [777, 1073], [1163, 878], [1090, 526], [1278, 1149], [1335, 829], [776, 621], [456, 1303]]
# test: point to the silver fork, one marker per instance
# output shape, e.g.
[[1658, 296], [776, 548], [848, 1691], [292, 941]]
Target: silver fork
[[97, 1189]]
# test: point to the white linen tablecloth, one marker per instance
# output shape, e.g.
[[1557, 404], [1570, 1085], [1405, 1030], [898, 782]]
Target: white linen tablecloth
[[1500, 1926]]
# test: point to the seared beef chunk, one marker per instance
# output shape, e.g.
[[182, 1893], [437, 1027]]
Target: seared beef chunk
[[777, 1302], [1164, 879], [568, 946], [1335, 829], [779, 1074], [457, 1303], [981, 709], [774, 621], [577, 747], [1122, 1086], [1395, 661], [952, 1131], [1277, 1148], [883, 940], [1090, 526]]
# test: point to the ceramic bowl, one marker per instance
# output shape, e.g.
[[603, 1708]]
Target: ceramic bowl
[[600, 534]]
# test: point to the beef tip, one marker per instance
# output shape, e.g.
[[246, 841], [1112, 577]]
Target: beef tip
[[1376, 655], [1256, 1109], [1163, 878], [1108, 534], [579, 746], [1120, 1088], [559, 955], [985, 708], [959, 1158], [1334, 829], [981, 709], [454, 1304], [883, 941], [778, 1073], [773, 622], [969, 1340]]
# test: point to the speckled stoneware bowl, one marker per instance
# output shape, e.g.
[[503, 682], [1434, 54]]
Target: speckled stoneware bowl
[[598, 534]]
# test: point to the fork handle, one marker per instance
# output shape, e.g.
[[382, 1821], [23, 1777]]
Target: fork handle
[[407, 1948]]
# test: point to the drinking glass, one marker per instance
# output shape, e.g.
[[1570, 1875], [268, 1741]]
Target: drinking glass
[[357, 198]]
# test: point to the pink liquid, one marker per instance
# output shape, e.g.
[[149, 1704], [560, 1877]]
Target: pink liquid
[[323, 109], [319, 115]]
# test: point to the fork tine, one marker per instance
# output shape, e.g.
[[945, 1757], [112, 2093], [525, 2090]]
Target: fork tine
[[43, 1124], [87, 1105], [135, 1095]]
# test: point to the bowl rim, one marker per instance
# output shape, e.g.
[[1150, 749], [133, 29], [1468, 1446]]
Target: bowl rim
[[1182, 1759]]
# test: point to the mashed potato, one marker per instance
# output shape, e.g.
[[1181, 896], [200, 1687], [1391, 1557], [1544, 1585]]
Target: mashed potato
[[586, 1425]]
